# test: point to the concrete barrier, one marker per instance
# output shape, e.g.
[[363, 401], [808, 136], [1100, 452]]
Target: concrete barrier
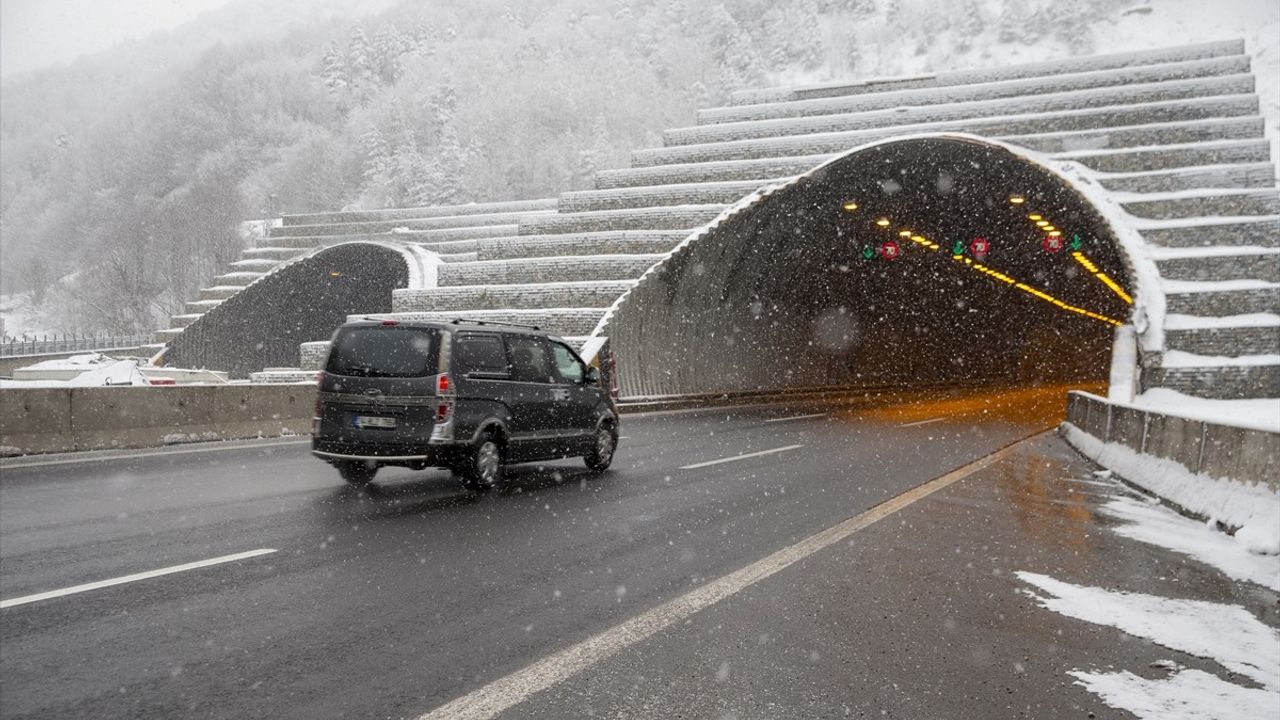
[[1203, 447], [43, 420]]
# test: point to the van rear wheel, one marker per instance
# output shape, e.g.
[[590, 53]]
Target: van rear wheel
[[357, 472], [482, 469]]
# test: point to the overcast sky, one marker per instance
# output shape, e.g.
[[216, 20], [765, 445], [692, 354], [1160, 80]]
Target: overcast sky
[[36, 33]]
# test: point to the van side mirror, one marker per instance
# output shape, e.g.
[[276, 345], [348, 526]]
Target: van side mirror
[[593, 376]]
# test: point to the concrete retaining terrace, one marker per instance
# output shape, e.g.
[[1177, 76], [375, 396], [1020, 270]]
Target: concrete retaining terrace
[[1203, 447], [46, 420]]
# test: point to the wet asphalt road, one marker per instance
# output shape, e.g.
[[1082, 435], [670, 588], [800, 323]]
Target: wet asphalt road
[[393, 602]]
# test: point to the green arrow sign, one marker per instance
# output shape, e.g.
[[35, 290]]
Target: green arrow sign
[[1075, 242], [868, 253], [958, 248]]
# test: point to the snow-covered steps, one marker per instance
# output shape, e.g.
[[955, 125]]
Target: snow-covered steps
[[911, 114], [497, 297], [1234, 335], [384, 226], [680, 217], [558, 321], [658, 195], [546, 269], [1152, 114], [219, 292], [181, 321], [167, 335], [1247, 128], [201, 307], [261, 265], [1217, 152], [612, 242], [1221, 297], [274, 253], [396, 234], [994, 90], [458, 257], [715, 171], [1178, 132], [1218, 263], [1200, 232], [1204, 203], [350, 216], [1224, 382], [1238, 176], [241, 278], [1040, 69]]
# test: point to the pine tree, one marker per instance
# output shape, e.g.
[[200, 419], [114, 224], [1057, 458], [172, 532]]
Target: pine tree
[[969, 25]]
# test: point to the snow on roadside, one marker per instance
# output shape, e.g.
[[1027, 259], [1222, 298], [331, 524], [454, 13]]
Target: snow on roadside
[[1257, 413], [1154, 524], [1251, 507], [1227, 634]]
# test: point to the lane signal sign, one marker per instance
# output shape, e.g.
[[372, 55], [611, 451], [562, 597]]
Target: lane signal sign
[[1052, 244], [979, 247], [957, 248], [1075, 242], [890, 250], [868, 253]]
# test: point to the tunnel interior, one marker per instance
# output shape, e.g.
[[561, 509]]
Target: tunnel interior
[[263, 325], [942, 261]]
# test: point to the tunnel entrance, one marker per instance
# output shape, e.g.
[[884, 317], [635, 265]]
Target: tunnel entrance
[[263, 325], [938, 260]]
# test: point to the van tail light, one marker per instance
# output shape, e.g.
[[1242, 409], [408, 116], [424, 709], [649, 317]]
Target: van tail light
[[442, 431], [444, 412], [444, 385], [315, 418]]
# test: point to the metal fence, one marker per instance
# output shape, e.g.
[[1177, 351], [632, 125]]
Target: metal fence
[[46, 344]]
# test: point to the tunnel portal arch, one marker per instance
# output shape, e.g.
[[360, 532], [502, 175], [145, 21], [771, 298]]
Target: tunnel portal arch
[[924, 261], [305, 300]]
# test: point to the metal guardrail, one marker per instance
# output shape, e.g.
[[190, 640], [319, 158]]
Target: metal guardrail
[[47, 344]]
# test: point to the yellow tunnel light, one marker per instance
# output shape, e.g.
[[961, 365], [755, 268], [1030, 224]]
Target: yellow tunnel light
[[1050, 228], [1055, 233], [1035, 217], [904, 233], [1042, 223], [883, 222], [1016, 199], [850, 206]]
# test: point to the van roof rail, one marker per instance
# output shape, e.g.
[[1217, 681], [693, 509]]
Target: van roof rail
[[470, 321]]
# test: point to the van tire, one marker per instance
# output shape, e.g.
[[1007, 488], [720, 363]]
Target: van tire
[[604, 443], [482, 469], [357, 472]]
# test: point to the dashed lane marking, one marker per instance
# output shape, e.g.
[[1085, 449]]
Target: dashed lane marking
[[501, 695], [132, 578], [923, 422], [735, 458], [797, 417]]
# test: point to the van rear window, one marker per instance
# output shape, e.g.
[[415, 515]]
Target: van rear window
[[384, 352]]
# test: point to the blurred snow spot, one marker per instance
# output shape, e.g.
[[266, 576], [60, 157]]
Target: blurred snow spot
[[722, 673]]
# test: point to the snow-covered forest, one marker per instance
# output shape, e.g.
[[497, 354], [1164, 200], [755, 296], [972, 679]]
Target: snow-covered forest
[[126, 174]]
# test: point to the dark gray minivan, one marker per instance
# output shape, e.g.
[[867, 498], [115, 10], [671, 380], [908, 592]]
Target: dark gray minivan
[[465, 395]]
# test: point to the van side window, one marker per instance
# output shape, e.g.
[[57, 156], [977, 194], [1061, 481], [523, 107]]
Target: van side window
[[531, 360], [567, 363], [480, 353]]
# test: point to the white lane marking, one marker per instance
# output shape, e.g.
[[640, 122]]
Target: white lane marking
[[796, 417], [735, 458], [132, 578], [152, 453], [501, 695], [923, 422]]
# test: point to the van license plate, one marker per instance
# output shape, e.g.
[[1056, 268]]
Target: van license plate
[[373, 421]]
